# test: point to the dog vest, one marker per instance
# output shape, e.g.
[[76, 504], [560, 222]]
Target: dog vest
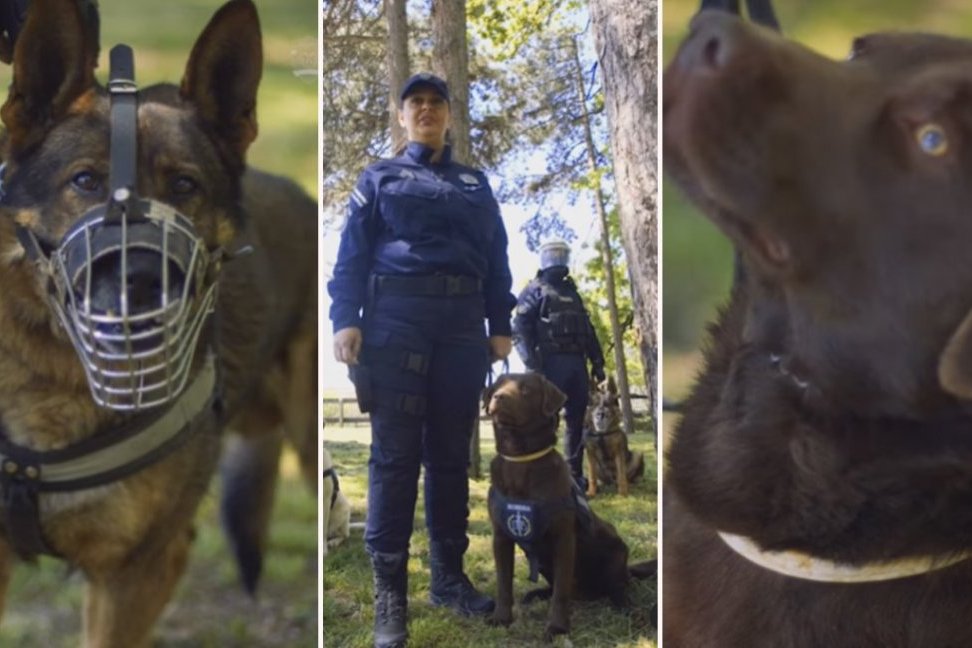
[[526, 521]]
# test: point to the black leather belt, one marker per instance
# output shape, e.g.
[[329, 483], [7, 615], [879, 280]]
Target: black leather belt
[[428, 285]]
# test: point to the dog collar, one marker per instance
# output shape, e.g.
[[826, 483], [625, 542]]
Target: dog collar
[[529, 457], [802, 565]]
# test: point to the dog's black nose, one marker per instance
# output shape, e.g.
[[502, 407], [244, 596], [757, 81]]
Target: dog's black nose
[[711, 44], [138, 277]]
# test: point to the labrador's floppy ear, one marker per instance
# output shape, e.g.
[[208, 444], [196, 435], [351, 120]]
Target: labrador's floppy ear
[[552, 398], [955, 361]]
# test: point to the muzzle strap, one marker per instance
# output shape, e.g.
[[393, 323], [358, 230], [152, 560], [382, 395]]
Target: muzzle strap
[[124, 116]]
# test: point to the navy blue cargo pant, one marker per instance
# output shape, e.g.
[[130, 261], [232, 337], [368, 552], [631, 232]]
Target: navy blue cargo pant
[[428, 358], [569, 372]]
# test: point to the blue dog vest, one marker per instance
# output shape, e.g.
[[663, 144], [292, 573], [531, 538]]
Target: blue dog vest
[[525, 521]]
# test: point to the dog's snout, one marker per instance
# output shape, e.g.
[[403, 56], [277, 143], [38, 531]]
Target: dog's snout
[[142, 277], [712, 43]]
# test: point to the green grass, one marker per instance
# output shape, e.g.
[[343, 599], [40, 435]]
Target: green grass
[[348, 614]]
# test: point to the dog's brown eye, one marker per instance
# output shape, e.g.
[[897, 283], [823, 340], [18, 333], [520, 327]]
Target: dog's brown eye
[[86, 181], [931, 138], [184, 185]]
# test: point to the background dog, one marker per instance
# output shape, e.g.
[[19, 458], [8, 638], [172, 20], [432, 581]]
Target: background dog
[[130, 538], [577, 553], [337, 509], [819, 481], [608, 459]]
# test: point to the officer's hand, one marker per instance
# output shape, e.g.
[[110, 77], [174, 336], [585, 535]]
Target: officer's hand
[[499, 347], [347, 345], [597, 373]]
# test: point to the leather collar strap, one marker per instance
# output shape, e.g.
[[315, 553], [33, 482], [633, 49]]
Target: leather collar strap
[[533, 456], [801, 565], [98, 460]]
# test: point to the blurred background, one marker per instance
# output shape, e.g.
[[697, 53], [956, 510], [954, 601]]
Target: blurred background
[[43, 606], [697, 260]]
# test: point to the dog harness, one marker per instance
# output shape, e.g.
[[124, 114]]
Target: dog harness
[[97, 460], [334, 480], [526, 521]]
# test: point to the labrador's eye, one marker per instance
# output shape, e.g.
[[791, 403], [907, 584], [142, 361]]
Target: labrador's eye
[[932, 140]]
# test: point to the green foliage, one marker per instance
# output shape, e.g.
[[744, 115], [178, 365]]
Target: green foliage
[[593, 286], [348, 614]]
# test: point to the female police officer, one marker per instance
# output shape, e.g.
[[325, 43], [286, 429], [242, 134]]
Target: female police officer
[[422, 262]]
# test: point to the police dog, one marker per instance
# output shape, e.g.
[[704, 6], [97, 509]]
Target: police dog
[[337, 509], [534, 502], [608, 459], [130, 535]]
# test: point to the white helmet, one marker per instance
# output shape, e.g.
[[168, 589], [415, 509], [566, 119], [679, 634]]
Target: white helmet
[[554, 252]]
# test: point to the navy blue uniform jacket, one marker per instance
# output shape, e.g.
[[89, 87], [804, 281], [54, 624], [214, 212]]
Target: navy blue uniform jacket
[[409, 216]]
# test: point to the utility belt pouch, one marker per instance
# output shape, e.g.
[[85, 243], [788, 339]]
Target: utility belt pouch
[[360, 375]]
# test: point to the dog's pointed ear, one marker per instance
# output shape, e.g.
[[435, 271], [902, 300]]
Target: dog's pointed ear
[[53, 65], [224, 72], [553, 398], [955, 361], [612, 387]]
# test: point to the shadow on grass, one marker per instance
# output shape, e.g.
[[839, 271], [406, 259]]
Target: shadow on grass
[[347, 606]]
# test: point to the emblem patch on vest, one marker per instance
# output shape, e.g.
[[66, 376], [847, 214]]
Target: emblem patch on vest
[[519, 521], [469, 179], [408, 174]]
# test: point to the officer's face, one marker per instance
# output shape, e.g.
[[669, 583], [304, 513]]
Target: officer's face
[[425, 117]]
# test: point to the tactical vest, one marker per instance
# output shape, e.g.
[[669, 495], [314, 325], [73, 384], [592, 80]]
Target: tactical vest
[[562, 324]]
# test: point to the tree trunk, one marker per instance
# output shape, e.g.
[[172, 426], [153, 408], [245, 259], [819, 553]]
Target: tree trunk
[[450, 57], [627, 49], [451, 62], [607, 256], [397, 62]]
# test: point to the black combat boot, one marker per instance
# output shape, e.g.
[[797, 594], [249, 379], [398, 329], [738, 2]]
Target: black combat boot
[[391, 598], [450, 586]]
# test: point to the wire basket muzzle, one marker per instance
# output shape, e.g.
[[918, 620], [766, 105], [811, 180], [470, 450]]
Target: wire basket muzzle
[[133, 294]]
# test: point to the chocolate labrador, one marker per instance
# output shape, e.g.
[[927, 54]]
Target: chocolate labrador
[[819, 485], [535, 503]]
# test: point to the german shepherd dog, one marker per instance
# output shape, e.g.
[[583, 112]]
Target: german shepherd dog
[[609, 461], [127, 523]]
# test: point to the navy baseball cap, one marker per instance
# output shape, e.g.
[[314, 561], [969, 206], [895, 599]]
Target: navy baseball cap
[[424, 78]]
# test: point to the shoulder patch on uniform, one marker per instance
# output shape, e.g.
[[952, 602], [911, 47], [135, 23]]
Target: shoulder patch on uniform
[[408, 174], [469, 179]]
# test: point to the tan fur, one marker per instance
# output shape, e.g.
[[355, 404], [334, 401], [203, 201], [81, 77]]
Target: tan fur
[[609, 461]]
